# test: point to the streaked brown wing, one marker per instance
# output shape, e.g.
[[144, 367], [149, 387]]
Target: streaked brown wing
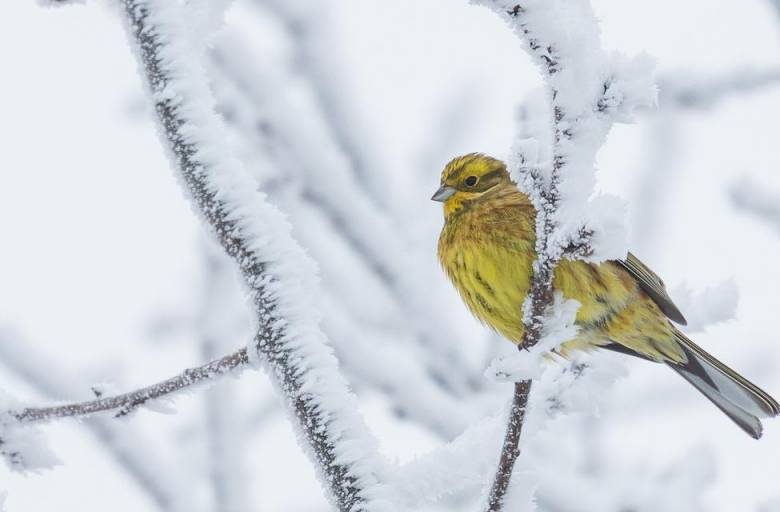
[[653, 286]]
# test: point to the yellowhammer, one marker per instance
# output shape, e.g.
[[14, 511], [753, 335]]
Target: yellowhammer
[[487, 249]]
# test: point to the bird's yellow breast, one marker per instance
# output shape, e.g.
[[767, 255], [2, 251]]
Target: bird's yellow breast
[[487, 250]]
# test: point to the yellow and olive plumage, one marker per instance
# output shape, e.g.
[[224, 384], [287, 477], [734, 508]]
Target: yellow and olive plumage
[[487, 250]]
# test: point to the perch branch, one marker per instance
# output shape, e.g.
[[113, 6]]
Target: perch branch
[[584, 102], [541, 294]]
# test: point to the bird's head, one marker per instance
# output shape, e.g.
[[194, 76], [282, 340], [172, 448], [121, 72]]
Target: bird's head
[[469, 179]]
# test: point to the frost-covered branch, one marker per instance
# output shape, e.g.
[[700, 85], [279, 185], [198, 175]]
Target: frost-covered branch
[[120, 441], [587, 91], [278, 274], [125, 403]]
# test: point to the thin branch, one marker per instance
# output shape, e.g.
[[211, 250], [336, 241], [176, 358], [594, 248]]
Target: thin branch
[[18, 355], [124, 404], [511, 447]]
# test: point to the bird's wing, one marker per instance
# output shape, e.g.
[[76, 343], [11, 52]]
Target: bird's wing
[[653, 286]]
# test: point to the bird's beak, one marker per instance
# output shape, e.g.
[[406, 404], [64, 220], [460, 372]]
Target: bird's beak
[[443, 193]]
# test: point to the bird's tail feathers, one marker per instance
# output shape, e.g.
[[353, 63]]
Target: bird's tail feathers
[[738, 398]]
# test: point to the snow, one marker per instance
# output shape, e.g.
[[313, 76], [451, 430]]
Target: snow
[[458, 466], [22, 447], [565, 392], [588, 90], [557, 328]]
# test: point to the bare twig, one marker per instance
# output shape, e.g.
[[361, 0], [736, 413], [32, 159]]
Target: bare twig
[[511, 448], [125, 403]]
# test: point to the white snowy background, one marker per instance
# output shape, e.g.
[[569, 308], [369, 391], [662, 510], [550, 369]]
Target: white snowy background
[[106, 277]]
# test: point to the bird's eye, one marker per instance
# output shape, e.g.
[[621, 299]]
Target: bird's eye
[[471, 181]]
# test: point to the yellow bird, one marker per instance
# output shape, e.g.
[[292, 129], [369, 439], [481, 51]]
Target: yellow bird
[[486, 247]]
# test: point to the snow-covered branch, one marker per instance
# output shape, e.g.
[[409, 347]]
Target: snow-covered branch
[[587, 91], [120, 441], [278, 274], [125, 403]]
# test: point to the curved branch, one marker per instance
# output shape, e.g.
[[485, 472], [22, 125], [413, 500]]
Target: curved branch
[[275, 269]]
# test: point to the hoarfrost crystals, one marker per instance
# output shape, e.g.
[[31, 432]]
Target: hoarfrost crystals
[[630, 86], [257, 236], [558, 328], [590, 90]]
